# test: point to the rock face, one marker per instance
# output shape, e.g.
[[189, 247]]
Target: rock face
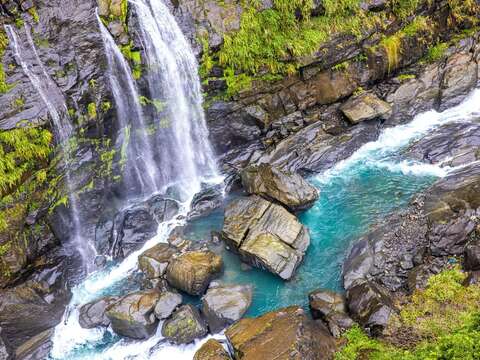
[[184, 326], [192, 272], [472, 256], [286, 334], [211, 350], [153, 262], [331, 308], [133, 315], [93, 314], [224, 304], [166, 304], [366, 107], [370, 305], [289, 189], [266, 235]]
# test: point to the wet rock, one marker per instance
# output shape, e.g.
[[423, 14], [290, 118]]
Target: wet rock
[[461, 76], [153, 262], [265, 235], [167, 303], [211, 350], [472, 256], [330, 307], [365, 107], [206, 201], [93, 314], [370, 305], [224, 304], [36, 348], [139, 223], [184, 326], [133, 315], [281, 335], [192, 272], [289, 189]]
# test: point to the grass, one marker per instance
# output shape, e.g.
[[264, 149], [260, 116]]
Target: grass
[[442, 322]]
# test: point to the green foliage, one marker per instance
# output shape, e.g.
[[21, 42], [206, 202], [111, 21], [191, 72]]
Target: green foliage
[[34, 14], [464, 10], [446, 315], [206, 63], [404, 8], [405, 77], [159, 105], [92, 110], [18, 103], [106, 105], [436, 52], [135, 59], [4, 87], [236, 83], [341, 66]]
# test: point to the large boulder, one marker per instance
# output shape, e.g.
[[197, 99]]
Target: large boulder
[[211, 350], [265, 235], [184, 326], [153, 262], [167, 303], [93, 314], [287, 188], [133, 315], [370, 305], [285, 334], [192, 271], [365, 107], [224, 304]]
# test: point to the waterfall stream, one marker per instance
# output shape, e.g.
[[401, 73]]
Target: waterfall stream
[[54, 100]]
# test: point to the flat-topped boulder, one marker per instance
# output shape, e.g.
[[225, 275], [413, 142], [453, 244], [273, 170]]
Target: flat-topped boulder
[[184, 326], [285, 334], [284, 187], [365, 107], [153, 262], [167, 303], [265, 235], [192, 271], [222, 305], [133, 315]]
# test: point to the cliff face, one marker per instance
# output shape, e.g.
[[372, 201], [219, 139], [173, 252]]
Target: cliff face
[[301, 99]]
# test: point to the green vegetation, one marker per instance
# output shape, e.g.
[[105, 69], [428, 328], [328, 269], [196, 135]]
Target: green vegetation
[[341, 66], [92, 111], [442, 322], [159, 105], [135, 59], [436, 52], [405, 77], [34, 14], [4, 87]]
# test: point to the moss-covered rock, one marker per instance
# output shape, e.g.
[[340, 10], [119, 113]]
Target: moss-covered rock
[[184, 326]]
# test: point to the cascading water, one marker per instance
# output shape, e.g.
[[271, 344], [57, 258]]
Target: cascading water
[[57, 108], [139, 166], [186, 156]]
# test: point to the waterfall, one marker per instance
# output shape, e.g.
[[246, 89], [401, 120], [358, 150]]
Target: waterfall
[[139, 167], [54, 100], [186, 157]]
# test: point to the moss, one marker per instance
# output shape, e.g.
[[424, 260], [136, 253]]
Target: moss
[[436, 52], [18, 103], [405, 77], [341, 66], [405, 8], [106, 105], [206, 63], [34, 14], [392, 46], [4, 86], [135, 59], [92, 111], [159, 105]]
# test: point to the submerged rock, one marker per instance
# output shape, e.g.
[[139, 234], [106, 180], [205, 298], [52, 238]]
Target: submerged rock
[[93, 314], [192, 272], [133, 315], [266, 235], [224, 304], [285, 334], [184, 326], [365, 107], [211, 350], [167, 303], [287, 188], [153, 262]]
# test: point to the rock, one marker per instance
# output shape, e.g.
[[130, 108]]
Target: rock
[[153, 262], [365, 107], [206, 201], [36, 348], [472, 256], [373, 5], [192, 272], [184, 326], [473, 278], [133, 315], [211, 350], [93, 314], [370, 305], [330, 307], [265, 235], [225, 304], [285, 334], [418, 277], [167, 303], [289, 189]]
